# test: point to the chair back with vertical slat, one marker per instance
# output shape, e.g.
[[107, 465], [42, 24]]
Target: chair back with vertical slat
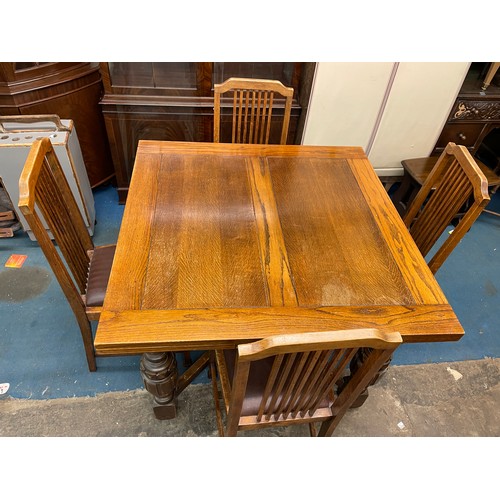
[[253, 103], [46, 196], [300, 374], [454, 181]]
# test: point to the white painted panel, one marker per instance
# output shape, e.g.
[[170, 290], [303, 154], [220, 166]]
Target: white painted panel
[[419, 103], [14, 149], [345, 102]]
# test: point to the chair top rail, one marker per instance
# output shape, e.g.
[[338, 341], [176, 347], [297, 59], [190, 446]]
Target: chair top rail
[[253, 84], [277, 344]]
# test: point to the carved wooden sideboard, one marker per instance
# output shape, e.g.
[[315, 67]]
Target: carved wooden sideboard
[[71, 90], [475, 113], [173, 101]]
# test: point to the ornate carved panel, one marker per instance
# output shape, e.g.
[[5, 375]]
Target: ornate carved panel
[[476, 110], [475, 114]]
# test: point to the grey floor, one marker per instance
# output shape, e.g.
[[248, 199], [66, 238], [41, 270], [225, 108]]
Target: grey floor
[[453, 402], [455, 399]]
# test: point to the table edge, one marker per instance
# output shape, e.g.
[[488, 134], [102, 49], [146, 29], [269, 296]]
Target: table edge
[[177, 147], [135, 331]]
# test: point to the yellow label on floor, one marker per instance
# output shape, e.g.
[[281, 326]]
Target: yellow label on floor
[[16, 260]]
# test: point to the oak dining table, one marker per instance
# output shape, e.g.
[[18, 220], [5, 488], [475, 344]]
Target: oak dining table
[[228, 243]]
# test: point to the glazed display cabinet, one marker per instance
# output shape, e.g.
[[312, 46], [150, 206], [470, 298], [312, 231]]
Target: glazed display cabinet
[[173, 101]]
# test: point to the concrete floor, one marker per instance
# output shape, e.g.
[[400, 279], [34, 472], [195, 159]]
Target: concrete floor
[[445, 399]]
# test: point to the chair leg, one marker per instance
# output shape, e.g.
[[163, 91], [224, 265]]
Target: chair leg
[[88, 344], [215, 390], [357, 383]]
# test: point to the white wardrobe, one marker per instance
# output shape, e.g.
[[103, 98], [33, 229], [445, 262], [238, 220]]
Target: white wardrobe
[[393, 110]]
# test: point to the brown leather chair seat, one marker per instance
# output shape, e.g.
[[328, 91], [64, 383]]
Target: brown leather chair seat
[[257, 379], [99, 271]]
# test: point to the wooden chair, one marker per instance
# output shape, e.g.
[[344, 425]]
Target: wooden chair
[[454, 180], [291, 379], [253, 105], [81, 269], [416, 171]]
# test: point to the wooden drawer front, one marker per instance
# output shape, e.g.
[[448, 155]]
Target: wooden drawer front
[[465, 134], [475, 110]]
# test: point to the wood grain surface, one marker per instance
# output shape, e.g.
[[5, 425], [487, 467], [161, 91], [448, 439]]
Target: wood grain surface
[[223, 243]]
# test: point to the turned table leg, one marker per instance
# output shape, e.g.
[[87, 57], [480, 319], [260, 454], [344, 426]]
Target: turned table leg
[[159, 374]]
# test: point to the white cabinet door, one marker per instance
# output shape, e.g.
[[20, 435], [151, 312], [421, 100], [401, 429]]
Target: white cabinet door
[[418, 104], [345, 103]]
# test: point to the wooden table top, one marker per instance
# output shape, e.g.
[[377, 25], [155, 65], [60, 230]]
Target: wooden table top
[[223, 243]]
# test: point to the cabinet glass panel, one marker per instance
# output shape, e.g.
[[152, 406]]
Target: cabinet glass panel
[[175, 75], [20, 66], [282, 71]]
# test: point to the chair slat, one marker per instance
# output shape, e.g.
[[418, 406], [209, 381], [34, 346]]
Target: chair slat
[[282, 366], [269, 118], [263, 115], [245, 119], [303, 403], [311, 383], [443, 205], [297, 381], [252, 119], [299, 402], [287, 384], [237, 125], [258, 117], [339, 362], [456, 196], [60, 214], [263, 409], [235, 108], [305, 367]]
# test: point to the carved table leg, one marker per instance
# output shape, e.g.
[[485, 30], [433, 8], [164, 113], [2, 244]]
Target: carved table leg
[[159, 375]]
